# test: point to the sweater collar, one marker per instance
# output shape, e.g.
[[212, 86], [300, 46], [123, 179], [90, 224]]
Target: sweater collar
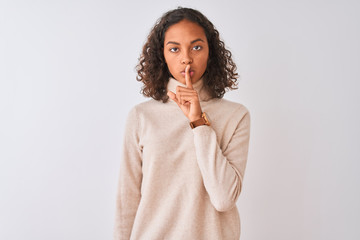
[[198, 86]]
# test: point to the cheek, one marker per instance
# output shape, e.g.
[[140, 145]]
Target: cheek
[[204, 60], [169, 63]]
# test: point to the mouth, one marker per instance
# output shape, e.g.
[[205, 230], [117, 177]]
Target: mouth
[[191, 73]]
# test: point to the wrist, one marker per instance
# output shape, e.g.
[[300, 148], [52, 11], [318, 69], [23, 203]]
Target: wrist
[[203, 120], [192, 119]]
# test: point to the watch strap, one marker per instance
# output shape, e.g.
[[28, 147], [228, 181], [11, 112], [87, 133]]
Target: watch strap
[[201, 121]]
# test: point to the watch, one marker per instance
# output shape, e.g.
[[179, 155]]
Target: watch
[[202, 121]]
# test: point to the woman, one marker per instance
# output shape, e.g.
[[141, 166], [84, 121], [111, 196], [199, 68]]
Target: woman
[[181, 180]]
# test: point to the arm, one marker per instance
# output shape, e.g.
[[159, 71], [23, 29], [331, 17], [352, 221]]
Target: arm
[[130, 178], [223, 170]]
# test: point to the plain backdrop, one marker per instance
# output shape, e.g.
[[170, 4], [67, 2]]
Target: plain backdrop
[[67, 82]]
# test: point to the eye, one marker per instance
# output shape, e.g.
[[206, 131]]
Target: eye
[[197, 48], [174, 49]]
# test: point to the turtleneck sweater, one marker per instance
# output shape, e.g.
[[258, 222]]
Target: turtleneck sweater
[[177, 182]]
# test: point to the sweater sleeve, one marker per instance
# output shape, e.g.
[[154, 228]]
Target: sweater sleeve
[[223, 169], [130, 178]]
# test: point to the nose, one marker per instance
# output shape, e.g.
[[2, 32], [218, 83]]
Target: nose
[[186, 59]]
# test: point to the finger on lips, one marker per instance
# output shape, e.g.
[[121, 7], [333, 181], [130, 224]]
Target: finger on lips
[[187, 77], [184, 95]]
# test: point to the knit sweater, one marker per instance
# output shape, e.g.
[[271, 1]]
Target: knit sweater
[[177, 182]]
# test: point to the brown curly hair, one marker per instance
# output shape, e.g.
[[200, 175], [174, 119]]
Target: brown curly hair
[[152, 69]]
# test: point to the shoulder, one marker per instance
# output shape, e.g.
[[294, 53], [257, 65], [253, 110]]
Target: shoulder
[[237, 113], [135, 116], [144, 108], [228, 107], [234, 105]]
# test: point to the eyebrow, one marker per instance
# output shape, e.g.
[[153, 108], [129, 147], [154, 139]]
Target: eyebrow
[[194, 41]]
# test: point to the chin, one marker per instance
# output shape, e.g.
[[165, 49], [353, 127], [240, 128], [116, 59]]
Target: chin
[[180, 79]]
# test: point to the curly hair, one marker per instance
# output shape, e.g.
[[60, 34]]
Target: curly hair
[[219, 76]]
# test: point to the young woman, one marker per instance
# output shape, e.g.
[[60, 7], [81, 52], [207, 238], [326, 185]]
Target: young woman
[[185, 150]]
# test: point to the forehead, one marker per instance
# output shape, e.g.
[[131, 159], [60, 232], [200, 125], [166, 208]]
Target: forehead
[[185, 30]]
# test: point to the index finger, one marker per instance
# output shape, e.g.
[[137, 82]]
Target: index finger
[[188, 78]]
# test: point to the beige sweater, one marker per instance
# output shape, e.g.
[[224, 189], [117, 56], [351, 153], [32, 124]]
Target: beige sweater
[[181, 183]]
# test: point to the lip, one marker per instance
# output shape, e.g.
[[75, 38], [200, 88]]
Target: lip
[[191, 73]]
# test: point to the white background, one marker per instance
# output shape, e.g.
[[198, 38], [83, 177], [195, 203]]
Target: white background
[[67, 82]]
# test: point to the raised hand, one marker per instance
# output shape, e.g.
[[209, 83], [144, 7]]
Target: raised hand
[[187, 98]]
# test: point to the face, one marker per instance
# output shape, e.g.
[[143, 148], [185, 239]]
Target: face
[[186, 44]]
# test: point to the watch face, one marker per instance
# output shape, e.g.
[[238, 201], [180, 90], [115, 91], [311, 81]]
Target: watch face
[[206, 119]]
